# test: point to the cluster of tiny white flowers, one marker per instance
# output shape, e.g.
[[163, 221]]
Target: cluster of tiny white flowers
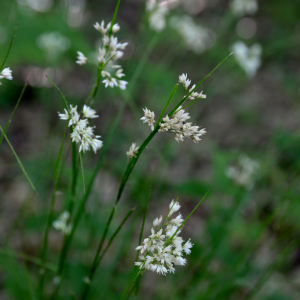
[[149, 118], [195, 37], [132, 152], [61, 224], [82, 133], [109, 52], [6, 73], [242, 7], [186, 83], [157, 14], [177, 125], [249, 58], [164, 249], [245, 173]]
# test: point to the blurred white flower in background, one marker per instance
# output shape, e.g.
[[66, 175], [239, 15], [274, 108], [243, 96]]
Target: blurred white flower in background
[[157, 14], [61, 224], [243, 7], [53, 43], [245, 173], [195, 37], [36, 5], [75, 12], [249, 58]]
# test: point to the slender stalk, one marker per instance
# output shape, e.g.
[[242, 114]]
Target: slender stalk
[[9, 48], [11, 116], [186, 97], [80, 156], [143, 224], [29, 258], [97, 259], [114, 18], [19, 161], [50, 214]]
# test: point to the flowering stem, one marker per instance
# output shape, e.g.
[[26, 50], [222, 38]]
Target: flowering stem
[[168, 242], [80, 157], [96, 86], [186, 97], [97, 259], [143, 224], [80, 210], [11, 116], [167, 104], [50, 214], [17, 158], [9, 48], [114, 18]]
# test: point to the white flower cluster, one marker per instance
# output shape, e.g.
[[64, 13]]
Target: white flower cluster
[[245, 173], [186, 83], [109, 52], [82, 133], [6, 73], [161, 250], [61, 224], [195, 37], [157, 14], [249, 58], [177, 125], [132, 152], [149, 118], [242, 7]]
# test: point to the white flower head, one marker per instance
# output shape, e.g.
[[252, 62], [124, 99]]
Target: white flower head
[[81, 59], [82, 134], [108, 53], [242, 7], [174, 206], [164, 248], [89, 113], [132, 152], [61, 224], [249, 58], [149, 118], [179, 127], [6, 73]]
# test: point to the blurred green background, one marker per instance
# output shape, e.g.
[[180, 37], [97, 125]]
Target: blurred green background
[[246, 233]]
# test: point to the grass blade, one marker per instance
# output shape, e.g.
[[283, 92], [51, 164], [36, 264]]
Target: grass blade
[[11, 116], [61, 94], [19, 162], [9, 48]]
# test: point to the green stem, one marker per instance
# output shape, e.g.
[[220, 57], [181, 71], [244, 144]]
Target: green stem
[[11, 116], [80, 156], [97, 259], [186, 97], [50, 214], [9, 48], [18, 160]]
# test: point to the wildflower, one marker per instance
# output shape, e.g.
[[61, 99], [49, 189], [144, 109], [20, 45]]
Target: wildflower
[[164, 249], [108, 53], [249, 58], [6, 73], [82, 133], [186, 83], [245, 172], [61, 224], [132, 152], [242, 7], [149, 118], [180, 128], [81, 59], [195, 37]]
